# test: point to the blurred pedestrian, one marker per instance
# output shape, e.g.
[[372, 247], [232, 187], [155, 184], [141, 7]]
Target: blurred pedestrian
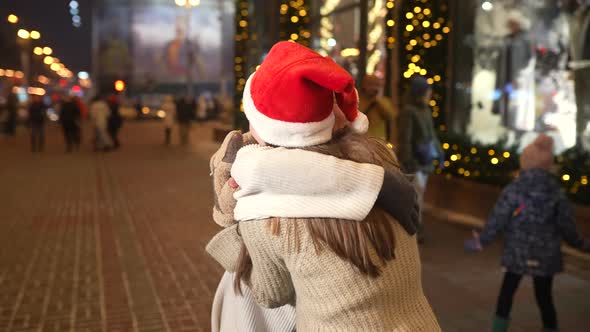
[[418, 143], [99, 114], [378, 109], [115, 121], [202, 107], [169, 107], [82, 107], [535, 217], [70, 122], [36, 120], [185, 110], [11, 109]]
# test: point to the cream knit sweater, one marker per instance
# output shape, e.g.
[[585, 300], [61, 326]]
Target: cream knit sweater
[[331, 294]]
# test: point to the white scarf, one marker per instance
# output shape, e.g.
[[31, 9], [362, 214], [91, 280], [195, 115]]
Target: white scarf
[[293, 183]]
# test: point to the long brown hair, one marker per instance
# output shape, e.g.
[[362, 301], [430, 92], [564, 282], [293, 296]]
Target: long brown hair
[[350, 240]]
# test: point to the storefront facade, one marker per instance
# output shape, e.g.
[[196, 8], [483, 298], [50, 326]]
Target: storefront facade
[[502, 71]]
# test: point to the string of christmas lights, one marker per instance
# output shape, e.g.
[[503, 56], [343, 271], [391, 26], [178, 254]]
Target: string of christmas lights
[[327, 41], [294, 22], [241, 48], [422, 33], [424, 46], [294, 26]]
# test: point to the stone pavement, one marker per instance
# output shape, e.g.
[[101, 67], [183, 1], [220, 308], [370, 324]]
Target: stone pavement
[[114, 242]]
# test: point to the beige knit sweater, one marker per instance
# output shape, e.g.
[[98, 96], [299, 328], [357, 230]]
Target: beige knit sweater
[[330, 295]]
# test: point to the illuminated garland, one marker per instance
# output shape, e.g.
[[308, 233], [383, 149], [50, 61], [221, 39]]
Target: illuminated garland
[[241, 70], [497, 165], [424, 46], [294, 25], [375, 26], [294, 22], [327, 42]]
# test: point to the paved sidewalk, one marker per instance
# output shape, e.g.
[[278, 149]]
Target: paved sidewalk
[[114, 242]]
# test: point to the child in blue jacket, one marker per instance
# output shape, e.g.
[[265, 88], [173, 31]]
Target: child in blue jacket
[[535, 217]]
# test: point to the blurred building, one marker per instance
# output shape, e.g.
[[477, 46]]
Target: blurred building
[[157, 47], [502, 71], [462, 50]]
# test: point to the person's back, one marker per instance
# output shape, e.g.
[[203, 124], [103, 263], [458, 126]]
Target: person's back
[[539, 219], [184, 112], [70, 114], [535, 217], [100, 112], [37, 113], [332, 294], [115, 120], [346, 268], [169, 107]]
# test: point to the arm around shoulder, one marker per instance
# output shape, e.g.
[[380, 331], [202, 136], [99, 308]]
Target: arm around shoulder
[[270, 280]]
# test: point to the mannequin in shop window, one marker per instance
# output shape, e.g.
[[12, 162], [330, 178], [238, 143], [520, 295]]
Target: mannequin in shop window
[[515, 81]]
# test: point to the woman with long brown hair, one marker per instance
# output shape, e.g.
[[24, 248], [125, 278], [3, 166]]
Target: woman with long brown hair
[[345, 269]]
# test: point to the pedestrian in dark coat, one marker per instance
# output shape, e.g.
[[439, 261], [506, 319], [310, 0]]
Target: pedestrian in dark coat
[[11, 118], [37, 114], [70, 122], [185, 112], [418, 143], [115, 121], [535, 217]]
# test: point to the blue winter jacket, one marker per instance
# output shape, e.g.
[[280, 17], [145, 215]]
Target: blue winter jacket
[[535, 216]]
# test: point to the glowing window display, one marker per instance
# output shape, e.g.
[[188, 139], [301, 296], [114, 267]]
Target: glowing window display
[[522, 63]]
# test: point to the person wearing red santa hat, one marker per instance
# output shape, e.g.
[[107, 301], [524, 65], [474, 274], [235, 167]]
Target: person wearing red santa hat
[[345, 266]]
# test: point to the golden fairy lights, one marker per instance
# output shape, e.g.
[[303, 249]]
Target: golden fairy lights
[[419, 32], [472, 162], [327, 41], [376, 24], [391, 24], [294, 21], [423, 28], [241, 45]]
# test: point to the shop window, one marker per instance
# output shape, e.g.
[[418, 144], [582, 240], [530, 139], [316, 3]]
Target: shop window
[[515, 72], [338, 30]]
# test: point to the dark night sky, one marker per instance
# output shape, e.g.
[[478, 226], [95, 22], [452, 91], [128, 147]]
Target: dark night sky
[[52, 18]]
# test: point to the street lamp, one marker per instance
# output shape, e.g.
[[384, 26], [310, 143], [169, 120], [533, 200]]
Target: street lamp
[[35, 34], [48, 60], [47, 50], [25, 45], [38, 51], [12, 18], [23, 34], [188, 4]]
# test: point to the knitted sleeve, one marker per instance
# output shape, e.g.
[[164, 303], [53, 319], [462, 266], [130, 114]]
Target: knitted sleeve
[[270, 280], [500, 216], [566, 223]]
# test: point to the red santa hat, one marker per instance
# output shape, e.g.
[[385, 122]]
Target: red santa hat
[[290, 98]]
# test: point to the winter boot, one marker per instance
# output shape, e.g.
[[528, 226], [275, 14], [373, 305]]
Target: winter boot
[[500, 325]]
